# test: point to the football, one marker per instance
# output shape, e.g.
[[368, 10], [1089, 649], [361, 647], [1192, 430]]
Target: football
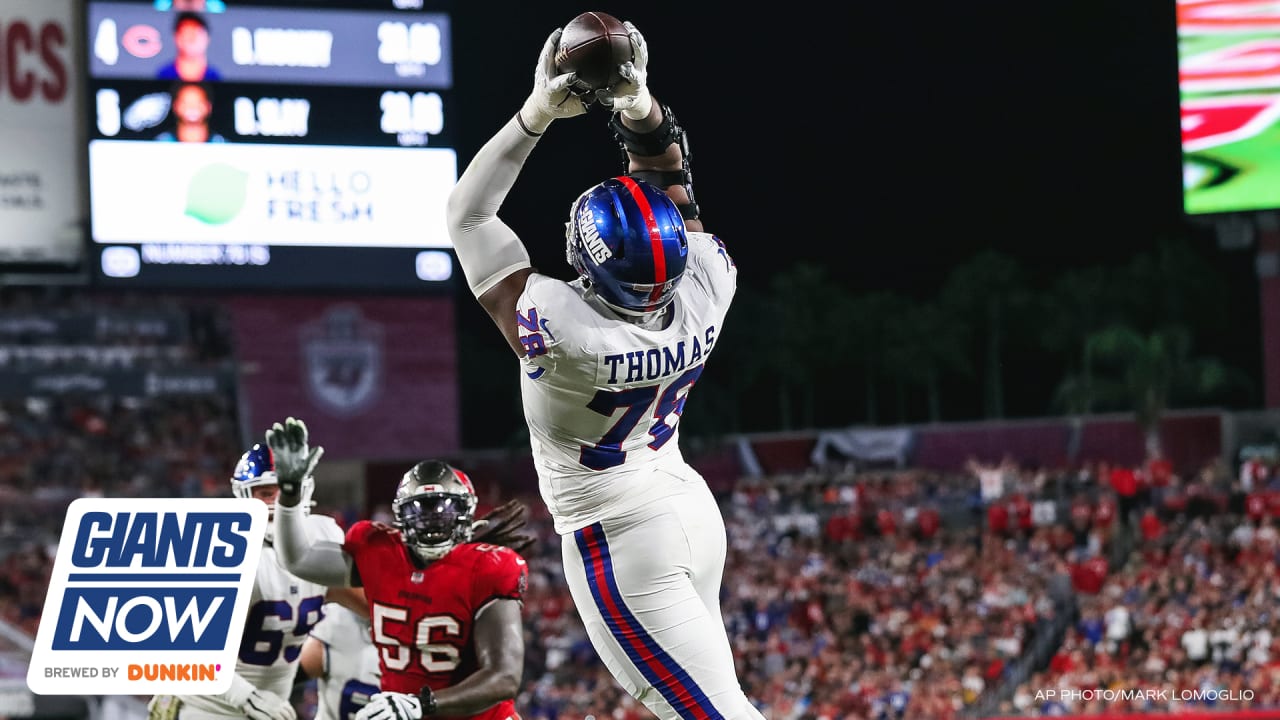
[[593, 45]]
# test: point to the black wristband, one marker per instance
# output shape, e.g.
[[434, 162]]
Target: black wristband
[[428, 700], [665, 178], [646, 144], [289, 488]]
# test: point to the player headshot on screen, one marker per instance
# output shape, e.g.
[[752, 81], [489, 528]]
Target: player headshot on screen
[[444, 600], [191, 48], [608, 361], [189, 115]]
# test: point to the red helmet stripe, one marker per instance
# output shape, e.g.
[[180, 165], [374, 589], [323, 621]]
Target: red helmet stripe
[[655, 237], [466, 481]]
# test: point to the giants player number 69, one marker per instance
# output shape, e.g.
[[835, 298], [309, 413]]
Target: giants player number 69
[[341, 656], [282, 612]]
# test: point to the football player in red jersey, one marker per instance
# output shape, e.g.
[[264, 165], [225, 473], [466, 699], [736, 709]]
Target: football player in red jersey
[[445, 611]]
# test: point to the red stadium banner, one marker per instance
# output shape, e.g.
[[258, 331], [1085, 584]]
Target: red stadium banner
[[1262, 503], [374, 378], [41, 210]]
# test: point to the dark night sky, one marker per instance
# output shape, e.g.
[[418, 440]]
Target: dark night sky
[[887, 141]]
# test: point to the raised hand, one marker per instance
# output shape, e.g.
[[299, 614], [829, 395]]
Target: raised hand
[[294, 460], [630, 95], [552, 97]]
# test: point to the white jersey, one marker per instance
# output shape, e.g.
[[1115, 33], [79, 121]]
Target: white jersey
[[282, 611], [603, 396], [351, 673]]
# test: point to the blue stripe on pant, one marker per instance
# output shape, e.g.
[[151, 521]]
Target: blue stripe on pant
[[672, 681]]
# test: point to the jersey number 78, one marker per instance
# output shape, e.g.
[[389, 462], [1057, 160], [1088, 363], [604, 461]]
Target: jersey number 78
[[608, 451]]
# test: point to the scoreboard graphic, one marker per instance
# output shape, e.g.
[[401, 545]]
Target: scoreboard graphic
[[266, 143], [1229, 80]]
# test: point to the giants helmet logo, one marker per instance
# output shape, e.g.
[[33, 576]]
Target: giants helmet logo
[[591, 235]]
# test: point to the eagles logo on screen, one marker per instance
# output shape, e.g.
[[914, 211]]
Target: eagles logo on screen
[[343, 356], [147, 111]]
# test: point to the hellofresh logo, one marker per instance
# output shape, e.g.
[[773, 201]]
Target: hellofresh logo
[[148, 597], [217, 193]]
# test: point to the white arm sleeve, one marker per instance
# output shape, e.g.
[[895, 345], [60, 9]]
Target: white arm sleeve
[[487, 249], [310, 558]]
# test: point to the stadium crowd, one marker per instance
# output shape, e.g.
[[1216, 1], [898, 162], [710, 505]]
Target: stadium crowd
[[875, 594], [1189, 621], [847, 594], [64, 434]]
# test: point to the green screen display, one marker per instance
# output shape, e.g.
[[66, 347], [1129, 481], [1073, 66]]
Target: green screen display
[[1229, 76]]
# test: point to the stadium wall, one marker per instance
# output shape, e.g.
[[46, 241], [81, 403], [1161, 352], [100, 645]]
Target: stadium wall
[[1189, 438]]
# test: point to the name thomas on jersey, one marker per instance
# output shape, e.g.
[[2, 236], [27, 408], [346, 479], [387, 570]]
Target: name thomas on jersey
[[657, 363]]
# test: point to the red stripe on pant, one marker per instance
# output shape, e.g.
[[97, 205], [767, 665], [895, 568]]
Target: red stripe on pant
[[631, 634]]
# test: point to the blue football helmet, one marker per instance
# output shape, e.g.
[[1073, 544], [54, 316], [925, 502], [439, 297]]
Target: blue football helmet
[[257, 467], [627, 241]]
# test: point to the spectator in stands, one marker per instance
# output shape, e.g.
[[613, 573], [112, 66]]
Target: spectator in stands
[[1124, 481]]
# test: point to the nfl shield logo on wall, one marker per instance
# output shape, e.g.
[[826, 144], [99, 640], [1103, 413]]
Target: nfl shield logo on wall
[[343, 356]]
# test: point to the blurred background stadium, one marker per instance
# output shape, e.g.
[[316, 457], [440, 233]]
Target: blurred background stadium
[[997, 412]]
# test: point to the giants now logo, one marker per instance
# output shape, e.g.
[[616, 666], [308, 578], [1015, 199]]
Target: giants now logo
[[148, 597]]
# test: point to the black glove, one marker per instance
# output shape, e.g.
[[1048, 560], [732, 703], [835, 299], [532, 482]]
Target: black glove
[[294, 461], [501, 526]]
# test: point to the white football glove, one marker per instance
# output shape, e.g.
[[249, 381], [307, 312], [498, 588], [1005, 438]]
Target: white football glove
[[295, 461], [630, 96], [266, 705], [391, 706], [257, 704], [552, 97]]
